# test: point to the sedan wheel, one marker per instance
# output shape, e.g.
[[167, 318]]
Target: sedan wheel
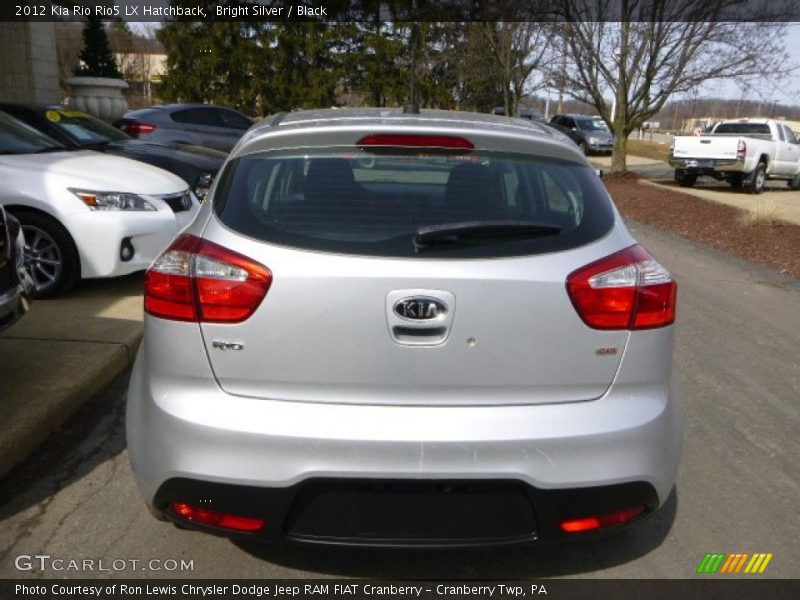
[[51, 258]]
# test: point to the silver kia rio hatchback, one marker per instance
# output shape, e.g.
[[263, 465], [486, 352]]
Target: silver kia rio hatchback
[[399, 328]]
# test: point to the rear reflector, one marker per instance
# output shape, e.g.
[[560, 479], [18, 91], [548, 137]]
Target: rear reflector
[[602, 521], [627, 290], [205, 516], [403, 140], [197, 280], [138, 128]]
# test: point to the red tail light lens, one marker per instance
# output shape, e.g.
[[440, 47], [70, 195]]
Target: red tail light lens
[[216, 519], [627, 290], [138, 128], [602, 521], [403, 140], [197, 280]]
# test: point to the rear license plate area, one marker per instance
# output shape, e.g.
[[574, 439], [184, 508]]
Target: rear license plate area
[[412, 512]]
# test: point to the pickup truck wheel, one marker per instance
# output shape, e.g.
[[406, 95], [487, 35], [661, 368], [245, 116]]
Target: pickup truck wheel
[[685, 178], [757, 180], [794, 182]]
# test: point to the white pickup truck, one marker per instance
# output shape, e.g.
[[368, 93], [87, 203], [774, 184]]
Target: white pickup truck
[[743, 152]]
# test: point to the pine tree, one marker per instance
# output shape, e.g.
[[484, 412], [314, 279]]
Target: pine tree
[[97, 60]]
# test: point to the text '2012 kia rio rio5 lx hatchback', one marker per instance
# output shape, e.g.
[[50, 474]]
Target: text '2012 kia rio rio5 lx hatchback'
[[413, 329]]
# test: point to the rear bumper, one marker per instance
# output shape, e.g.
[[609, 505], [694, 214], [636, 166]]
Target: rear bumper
[[189, 441], [708, 166], [419, 513]]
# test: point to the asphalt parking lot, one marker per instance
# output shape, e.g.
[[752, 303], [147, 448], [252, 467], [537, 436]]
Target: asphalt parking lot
[[738, 359]]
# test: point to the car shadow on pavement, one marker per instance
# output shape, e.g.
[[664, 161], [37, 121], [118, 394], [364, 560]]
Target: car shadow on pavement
[[513, 562], [90, 437]]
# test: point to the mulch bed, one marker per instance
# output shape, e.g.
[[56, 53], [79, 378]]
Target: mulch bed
[[776, 246]]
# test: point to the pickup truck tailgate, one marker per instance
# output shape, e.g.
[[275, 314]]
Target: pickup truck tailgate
[[706, 147]]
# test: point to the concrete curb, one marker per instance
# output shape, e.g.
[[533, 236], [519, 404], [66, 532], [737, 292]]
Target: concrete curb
[[63, 353]]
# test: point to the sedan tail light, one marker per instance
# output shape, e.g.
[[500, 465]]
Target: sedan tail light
[[627, 290], [138, 128], [197, 280]]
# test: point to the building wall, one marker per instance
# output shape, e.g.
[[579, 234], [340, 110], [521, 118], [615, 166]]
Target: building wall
[[29, 66]]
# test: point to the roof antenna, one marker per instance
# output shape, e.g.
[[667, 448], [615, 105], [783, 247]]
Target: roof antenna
[[413, 107]]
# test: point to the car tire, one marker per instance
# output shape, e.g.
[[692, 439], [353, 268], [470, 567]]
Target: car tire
[[757, 179], [794, 182], [51, 257], [685, 178]]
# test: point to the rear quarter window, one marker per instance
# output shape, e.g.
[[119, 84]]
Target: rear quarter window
[[343, 201]]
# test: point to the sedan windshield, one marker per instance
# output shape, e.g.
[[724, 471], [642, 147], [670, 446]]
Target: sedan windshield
[[84, 129], [18, 138]]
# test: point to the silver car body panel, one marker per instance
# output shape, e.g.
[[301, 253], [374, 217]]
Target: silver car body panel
[[519, 387]]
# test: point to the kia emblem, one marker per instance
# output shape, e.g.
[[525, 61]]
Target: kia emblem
[[420, 309]]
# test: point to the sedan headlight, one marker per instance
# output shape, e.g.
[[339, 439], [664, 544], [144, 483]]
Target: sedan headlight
[[594, 140], [112, 200]]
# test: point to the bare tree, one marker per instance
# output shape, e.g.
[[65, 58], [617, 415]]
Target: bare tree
[[518, 50], [640, 52]]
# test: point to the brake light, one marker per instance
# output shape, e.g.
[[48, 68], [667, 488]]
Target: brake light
[[405, 140], [138, 128], [602, 521], [213, 518], [627, 290], [741, 149], [197, 280]]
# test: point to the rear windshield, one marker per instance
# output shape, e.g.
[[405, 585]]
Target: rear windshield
[[376, 204], [743, 128]]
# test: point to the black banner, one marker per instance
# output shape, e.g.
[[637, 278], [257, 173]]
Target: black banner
[[400, 11], [715, 588]]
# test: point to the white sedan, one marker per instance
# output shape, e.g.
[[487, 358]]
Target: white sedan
[[86, 214]]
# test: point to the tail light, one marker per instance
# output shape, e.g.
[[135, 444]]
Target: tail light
[[741, 149], [627, 290], [138, 128], [593, 523], [213, 518], [197, 280]]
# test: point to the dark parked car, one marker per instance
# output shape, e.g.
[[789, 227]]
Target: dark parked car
[[77, 130], [16, 287], [524, 113], [201, 124], [590, 133]]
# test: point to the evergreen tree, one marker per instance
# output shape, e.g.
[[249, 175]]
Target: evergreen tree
[[97, 60]]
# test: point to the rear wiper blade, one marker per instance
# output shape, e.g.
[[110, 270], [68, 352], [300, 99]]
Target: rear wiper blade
[[481, 230]]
